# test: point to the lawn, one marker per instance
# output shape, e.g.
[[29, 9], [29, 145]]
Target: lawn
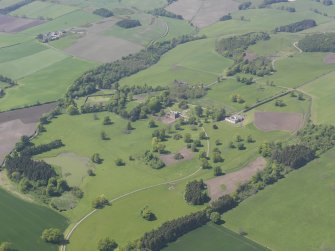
[[23, 222], [45, 10], [294, 214], [214, 238], [182, 63], [321, 91], [48, 84]]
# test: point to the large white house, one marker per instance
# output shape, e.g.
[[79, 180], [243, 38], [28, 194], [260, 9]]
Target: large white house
[[234, 119]]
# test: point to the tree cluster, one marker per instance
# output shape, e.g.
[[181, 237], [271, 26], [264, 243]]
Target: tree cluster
[[164, 13], [128, 23], [261, 66], [34, 150], [147, 214], [7, 80], [103, 12], [153, 160], [244, 6], [324, 42], [53, 235], [297, 26], [107, 244], [287, 8], [226, 17], [266, 3], [100, 202], [294, 156], [195, 193], [183, 90]]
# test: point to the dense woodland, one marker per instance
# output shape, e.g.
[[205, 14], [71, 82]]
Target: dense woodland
[[298, 26], [106, 75], [324, 42]]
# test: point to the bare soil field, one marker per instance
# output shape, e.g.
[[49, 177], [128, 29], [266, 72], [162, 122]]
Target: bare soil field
[[169, 159], [232, 180], [283, 121], [16, 24], [166, 120], [203, 13], [95, 46], [330, 58], [14, 124]]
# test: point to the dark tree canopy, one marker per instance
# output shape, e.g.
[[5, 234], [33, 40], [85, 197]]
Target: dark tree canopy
[[298, 26], [128, 23], [324, 42], [103, 12], [195, 192]]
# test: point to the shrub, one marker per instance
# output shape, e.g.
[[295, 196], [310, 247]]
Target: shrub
[[7, 246], [119, 162], [147, 214], [100, 202], [96, 158], [53, 235], [107, 244], [178, 156]]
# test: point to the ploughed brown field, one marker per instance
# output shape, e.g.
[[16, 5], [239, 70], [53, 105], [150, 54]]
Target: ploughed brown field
[[16, 24], [228, 183], [279, 121], [15, 124]]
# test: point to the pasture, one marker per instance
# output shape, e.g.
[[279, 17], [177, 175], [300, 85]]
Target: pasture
[[294, 214], [215, 238], [24, 225]]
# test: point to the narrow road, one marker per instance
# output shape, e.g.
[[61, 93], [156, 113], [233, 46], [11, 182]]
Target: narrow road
[[295, 44], [69, 234]]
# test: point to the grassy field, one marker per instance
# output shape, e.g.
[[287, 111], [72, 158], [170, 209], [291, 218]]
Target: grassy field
[[214, 238], [6, 3], [295, 214], [321, 91], [182, 63], [45, 10], [22, 223], [47, 84]]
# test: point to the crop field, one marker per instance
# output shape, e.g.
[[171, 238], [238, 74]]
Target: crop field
[[47, 84], [286, 216], [181, 64], [45, 10], [25, 224], [203, 14], [15, 24], [214, 238]]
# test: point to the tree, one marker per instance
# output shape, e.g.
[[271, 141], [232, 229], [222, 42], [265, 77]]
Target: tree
[[104, 136], [239, 138], [53, 235], [178, 156], [250, 139], [215, 217], [241, 146], [119, 162], [107, 121], [152, 123], [202, 135], [100, 202], [195, 193], [205, 164], [147, 214], [198, 110], [187, 138], [107, 244], [217, 171], [217, 157], [72, 110], [96, 158], [218, 142], [129, 127]]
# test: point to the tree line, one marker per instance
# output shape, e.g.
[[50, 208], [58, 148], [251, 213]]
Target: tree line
[[14, 6], [297, 26], [106, 75], [164, 13]]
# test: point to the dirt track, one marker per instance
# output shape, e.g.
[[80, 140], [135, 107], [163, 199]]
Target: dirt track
[[232, 180], [282, 121]]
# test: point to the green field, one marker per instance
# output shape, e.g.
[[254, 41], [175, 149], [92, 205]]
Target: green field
[[214, 238], [45, 10], [22, 223], [321, 91], [295, 214], [48, 84], [182, 64]]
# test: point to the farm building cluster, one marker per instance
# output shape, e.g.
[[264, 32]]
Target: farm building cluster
[[235, 119], [50, 36]]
